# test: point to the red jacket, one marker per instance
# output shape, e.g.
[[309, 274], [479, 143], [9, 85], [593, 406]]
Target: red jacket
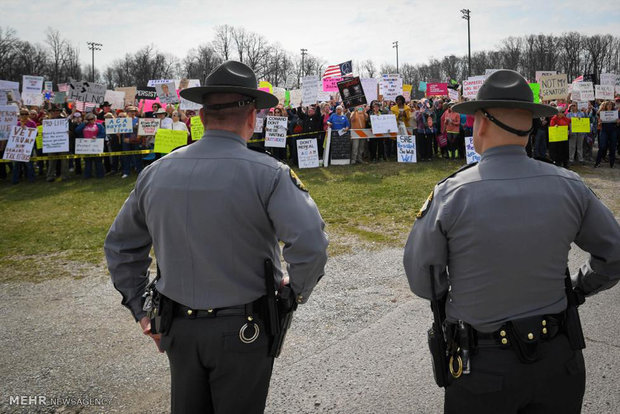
[[557, 121]]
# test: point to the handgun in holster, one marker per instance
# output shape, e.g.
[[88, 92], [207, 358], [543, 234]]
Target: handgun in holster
[[572, 322], [280, 307], [436, 338], [157, 307]]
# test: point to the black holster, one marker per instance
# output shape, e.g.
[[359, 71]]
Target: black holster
[[572, 322], [436, 339]]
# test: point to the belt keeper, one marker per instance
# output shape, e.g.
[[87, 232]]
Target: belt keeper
[[191, 314], [210, 313]]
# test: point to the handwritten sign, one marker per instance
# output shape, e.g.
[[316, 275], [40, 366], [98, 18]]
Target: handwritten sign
[[130, 94], [296, 97], [167, 140], [118, 126], [55, 135], [608, 116], [63, 87], [39, 139], [369, 86], [275, 131], [604, 91], [470, 152], [148, 126], [331, 84], [541, 73], [87, 92], [88, 146], [32, 84], [59, 97], [609, 79], [21, 142], [553, 87], [8, 119], [307, 153], [309, 89], [32, 98], [584, 90], [115, 98], [453, 94], [390, 86], [406, 148], [382, 124], [436, 89], [558, 133], [580, 125], [197, 128], [259, 125], [153, 82]]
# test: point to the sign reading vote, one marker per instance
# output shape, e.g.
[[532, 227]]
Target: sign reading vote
[[383, 124], [118, 126], [558, 133], [55, 135], [406, 148], [275, 131], [21, 141], [167, 140]]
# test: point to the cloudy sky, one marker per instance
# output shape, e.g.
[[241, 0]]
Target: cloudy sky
[[333, 30]]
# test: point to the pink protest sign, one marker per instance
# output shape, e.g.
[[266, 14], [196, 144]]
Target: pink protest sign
[[264, 89], [436, 89], [331, 84]]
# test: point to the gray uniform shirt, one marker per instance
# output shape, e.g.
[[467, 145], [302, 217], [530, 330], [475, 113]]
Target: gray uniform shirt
[[213, 212], [498, 235]]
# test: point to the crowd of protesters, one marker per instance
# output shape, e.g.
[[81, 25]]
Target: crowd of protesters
[[440, 134]]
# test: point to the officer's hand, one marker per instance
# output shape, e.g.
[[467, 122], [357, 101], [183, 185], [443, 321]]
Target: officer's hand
[[284, 282], [145, 324]]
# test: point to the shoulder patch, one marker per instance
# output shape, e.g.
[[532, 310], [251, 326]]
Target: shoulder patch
[[463, 168], [297, 181], [426, 205]]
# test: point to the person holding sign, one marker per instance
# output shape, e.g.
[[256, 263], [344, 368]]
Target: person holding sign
[[608, 137], [91, 130], [558, 149], [575, 139], [26, 168], [214, 212], [490, 248]]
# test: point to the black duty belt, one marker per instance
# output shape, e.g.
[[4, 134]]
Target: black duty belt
[[548, 328], [190, 313]]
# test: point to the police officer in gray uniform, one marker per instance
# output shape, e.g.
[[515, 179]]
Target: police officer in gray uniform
[[497, 235], [213, 212]]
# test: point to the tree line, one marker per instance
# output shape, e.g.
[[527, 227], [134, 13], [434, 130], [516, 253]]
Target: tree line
[[58, 59]]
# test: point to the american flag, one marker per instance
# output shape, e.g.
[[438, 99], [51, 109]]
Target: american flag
[[338, 71], [579, 79]]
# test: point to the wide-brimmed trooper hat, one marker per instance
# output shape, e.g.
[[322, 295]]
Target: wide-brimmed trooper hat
[[231, 77], [505, 89]]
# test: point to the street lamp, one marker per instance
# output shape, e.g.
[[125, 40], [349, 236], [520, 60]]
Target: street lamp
[[93, 46], [304, 52], [395, 45], [465, 15]]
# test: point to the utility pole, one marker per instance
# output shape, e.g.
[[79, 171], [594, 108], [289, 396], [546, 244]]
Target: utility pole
[[304, 52], [465, 15], [93, 46], [395, 45]]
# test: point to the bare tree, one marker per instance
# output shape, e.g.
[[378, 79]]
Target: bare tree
[[8, 40], [512, 53], [201, 61], [57, 53], [597, 47], [223, 41]]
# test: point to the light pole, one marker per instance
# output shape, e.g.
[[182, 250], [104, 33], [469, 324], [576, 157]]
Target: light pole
[[395, 45], [304, 52], [466, 16], [93, 46]]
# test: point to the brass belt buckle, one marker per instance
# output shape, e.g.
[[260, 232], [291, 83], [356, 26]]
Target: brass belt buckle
[[245, 326], [459, 371]]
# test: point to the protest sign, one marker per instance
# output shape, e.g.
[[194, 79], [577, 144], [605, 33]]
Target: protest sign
[[87, 92], [470, 151], [13, 86], [279, 93], [21, 141], [584, 90], [39, 138], [118, 126], [558, 133], [8, 119], [370, 89], [453, 95], [309, 89], [383, 124], [55, 135], [390, 86], [148, 126], [59, 97], [197, 128], [535, 87], [422, 87], [48, 86], [553, 87], [115, 98], [4, 99], [295, 97], [186, 105], [307, 153], [167, 140], [32, 84], [471, 86], [275, 131], [580, 125], [259, 125], [436, 89], [130, 94], [541, 73], [89, 145], [145, 92], [406, 148], [63, 87], [603, 92], [167, 93], [265, 86], [608, 116], [331, 84], [609, 79], [32, 98], [582, 105], [351, 92], [151, 83], [166, 123]]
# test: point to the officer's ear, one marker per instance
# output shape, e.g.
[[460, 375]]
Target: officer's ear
[[481, 123]]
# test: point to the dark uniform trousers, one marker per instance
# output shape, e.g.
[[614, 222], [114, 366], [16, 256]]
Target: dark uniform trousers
[[500, 383], [212, 371]]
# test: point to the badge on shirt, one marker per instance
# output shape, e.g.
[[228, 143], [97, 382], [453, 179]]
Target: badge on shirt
[[297, 181], [426, 205]]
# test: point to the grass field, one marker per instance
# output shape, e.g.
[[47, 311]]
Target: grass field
[[57, 229]]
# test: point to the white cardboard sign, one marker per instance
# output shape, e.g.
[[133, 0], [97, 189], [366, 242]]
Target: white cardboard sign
[[275, 131]]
